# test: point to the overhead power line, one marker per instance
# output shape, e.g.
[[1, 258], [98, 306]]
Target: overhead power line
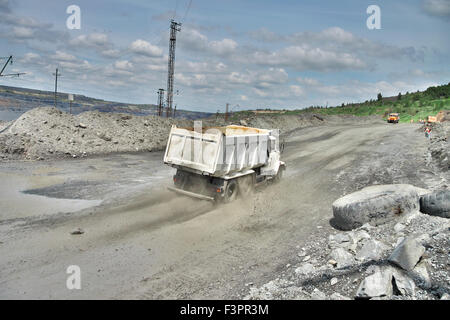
[[10, 61]]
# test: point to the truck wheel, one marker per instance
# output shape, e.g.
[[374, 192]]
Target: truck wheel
[[231, 191]]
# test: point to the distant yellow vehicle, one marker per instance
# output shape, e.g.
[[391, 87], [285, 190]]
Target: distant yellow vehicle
[[393, 118], [432, 119]]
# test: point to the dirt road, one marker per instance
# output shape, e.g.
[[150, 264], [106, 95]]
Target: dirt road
[[142, 242]]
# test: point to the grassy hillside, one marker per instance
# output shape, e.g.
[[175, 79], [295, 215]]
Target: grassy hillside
[[417, 105]]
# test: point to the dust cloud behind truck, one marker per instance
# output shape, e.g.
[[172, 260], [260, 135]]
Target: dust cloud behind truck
[[219, 163]]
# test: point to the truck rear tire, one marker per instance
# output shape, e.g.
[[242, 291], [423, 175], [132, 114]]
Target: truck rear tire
[[231, 191]]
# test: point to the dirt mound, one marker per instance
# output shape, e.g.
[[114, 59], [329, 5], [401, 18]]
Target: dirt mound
[[286, 123], [47, 132]]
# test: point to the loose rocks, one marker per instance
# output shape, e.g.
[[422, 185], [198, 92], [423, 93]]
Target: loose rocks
[[407, 254], [378, 284]]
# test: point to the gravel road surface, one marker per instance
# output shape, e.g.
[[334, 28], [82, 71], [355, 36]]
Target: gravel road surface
[[140, 241]]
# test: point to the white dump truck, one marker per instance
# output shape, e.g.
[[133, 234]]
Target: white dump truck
[[220, 163]]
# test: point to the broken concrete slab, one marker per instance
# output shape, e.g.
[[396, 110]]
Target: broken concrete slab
[[304, 269], [378, 284], [420, 273], [403, 284], [407, 254], [342, 257], [339, 238], [372, 250], [358, 235]]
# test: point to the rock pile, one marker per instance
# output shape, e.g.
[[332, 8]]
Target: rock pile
[[44, 133], [439, 146], [402, 258], [48, 133]]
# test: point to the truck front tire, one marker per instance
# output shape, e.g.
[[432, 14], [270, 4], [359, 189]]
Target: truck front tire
[[231, 191]]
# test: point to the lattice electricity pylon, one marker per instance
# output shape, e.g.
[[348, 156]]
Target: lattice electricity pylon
[[160, 101], [174, 28], [10, 61]]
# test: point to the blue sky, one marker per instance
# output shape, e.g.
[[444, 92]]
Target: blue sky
[[251, 54]]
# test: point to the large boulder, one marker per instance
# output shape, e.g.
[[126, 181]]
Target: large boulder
[[379, 203]]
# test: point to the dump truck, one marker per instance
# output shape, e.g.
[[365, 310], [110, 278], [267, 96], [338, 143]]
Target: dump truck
[[393, 118], [220, 163]]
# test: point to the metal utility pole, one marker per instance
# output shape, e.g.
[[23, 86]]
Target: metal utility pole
[[56, 74], [174, 111], [9, 60], [226, 112], [174, 28], [70, 98], [160, 101]]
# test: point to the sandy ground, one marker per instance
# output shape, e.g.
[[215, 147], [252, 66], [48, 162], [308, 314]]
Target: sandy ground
[[143, 242]]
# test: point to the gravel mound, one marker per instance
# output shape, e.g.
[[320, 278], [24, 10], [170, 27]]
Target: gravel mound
[[47, 132]]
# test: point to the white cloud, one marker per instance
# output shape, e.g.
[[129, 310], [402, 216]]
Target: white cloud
[[239, 78], [303, 58], [440, 8], [145, 48], [223, 47], [23, 32], [30, 57], [123, 65], [63, 56], [193, 40], [297, 90], [112, 53], [308, 81]]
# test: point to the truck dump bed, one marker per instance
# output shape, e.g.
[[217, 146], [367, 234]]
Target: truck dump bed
[[217, 151]]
